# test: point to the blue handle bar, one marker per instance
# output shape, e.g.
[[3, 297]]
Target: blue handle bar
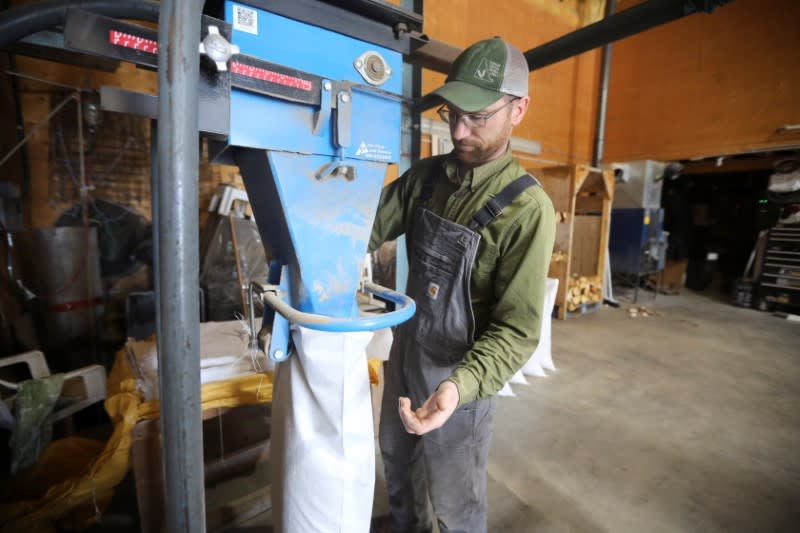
[[405, 310]]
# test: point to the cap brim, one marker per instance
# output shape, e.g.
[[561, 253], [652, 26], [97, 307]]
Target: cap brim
[[466, 96]]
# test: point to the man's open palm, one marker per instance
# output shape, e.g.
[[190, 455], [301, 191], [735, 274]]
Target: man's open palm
[[433, 413]]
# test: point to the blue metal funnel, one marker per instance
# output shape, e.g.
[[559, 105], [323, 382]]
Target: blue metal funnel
[[319, 226], [313, 131]]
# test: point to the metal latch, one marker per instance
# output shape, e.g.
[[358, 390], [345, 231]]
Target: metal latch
[[217, 48]]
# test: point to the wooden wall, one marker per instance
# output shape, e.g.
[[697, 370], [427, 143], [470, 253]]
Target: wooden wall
[[707, 85], [704, 85], [561, 116], [11, 169], [563, 96], [51, 190]]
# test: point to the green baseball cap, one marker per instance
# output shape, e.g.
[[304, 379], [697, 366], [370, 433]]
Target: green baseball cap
[[483, 73]]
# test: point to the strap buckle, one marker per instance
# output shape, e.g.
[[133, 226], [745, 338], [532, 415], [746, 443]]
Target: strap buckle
[[494, 208]]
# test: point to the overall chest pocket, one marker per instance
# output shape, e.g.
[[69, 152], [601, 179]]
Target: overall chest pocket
[[426, 259]]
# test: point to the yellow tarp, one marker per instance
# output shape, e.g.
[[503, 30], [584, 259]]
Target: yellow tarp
[[74, 479]]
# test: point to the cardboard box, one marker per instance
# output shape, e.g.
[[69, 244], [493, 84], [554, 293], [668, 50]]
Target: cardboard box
[[673, 279]]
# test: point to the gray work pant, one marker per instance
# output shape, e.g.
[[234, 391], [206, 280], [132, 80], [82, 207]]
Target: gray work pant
[[446, 466]]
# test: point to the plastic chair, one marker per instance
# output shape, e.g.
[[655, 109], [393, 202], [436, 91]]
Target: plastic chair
[[82, 387]]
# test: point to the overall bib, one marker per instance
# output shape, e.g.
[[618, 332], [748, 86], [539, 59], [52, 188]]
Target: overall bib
[[447, 465]]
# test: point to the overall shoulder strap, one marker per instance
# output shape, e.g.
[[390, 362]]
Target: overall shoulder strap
[[495, 206], [427, 185], [427, 189]]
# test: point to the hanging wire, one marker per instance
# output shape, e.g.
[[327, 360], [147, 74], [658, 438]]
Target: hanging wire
[[65, 153], [38, 125], [130, 141]]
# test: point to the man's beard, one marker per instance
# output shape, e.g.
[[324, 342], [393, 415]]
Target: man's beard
[[473, 153]]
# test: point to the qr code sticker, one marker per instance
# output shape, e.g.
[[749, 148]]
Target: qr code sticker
[[245, 19]]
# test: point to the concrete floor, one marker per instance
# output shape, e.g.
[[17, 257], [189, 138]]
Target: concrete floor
[[688, 421]]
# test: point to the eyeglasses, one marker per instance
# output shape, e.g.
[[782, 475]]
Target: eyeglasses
[[471, 120]]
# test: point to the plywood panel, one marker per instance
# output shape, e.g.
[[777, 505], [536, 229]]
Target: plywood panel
[[563, 102], [556, 183], [585, 245], [53, 189], [707, 84], [561, 242], [561, 115]]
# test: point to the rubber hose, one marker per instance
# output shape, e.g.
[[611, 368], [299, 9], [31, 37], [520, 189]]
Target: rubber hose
[[19, 22]]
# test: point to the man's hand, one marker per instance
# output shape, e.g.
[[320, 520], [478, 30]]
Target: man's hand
[[433, 413]]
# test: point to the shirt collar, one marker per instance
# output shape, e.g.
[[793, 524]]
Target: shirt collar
[[480, 174]]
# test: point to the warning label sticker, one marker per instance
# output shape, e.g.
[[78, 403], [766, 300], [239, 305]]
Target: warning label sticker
[[375, 151]]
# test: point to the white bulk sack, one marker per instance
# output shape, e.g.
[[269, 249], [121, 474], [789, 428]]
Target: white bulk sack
[[542, 357], [322, 451], [380, 345]]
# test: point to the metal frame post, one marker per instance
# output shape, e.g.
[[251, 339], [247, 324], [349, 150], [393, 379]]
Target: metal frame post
[[178, 272], [602, 97]]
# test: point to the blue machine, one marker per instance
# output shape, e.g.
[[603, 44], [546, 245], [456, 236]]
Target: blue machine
[[637, 242], [305, 97], [312, 137]]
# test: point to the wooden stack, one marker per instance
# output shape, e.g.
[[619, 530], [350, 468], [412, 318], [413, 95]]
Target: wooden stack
[[582, 198], [583, 290]]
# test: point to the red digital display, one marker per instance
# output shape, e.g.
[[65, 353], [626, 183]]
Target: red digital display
[[270, 76], [126, 40]]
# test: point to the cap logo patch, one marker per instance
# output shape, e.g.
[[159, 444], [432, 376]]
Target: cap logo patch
[[487, 70]]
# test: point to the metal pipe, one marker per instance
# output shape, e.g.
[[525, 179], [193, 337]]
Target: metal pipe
[[178, 254], [327, 323], [24, 76], [19, 22], [623, 24], [602, 103], [154, 203], [251, 317]]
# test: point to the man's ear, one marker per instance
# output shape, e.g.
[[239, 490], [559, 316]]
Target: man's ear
[[518, 110]]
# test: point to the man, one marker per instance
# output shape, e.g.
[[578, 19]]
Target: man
[[479, 234]]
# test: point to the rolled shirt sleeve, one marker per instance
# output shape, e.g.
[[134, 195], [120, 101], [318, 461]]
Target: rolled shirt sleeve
[[514, 324]]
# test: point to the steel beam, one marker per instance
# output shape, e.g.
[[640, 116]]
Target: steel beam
[[631, 21]]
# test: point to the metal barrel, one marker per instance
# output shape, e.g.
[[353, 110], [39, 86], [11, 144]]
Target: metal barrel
[[63, 264]]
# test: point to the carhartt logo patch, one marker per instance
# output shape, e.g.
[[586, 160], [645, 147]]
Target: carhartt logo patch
[[433, 290], [487, 70]]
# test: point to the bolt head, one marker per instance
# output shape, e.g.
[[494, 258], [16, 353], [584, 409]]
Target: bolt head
[[278, 354], [326, 85], [344, 97]]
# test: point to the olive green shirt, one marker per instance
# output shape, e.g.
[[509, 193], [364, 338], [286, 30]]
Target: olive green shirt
[[508, 276]]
